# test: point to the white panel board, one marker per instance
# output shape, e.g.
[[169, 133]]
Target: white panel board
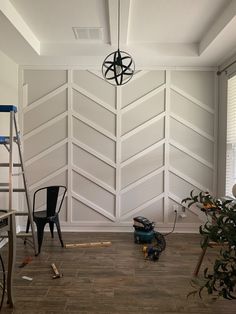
[[93, 166], [84, 213], [47, 165], [192, 113], [142, 193], [146, 110], [180, 187], [94, 112], [191, 140], [95, 86], [94, 139], [142, 166], [191, 168], [45, 112], [45, 139], [93, 193], [143, 139], [42, 82], [142, 86], [153, 212], [198, 84]]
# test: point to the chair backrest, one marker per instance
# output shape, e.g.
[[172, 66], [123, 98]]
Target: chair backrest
[[52, 199]]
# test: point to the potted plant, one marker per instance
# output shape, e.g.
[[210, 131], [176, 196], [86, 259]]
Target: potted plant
[[219, 228]]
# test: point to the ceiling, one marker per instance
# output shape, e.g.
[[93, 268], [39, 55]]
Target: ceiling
[[155, 32]]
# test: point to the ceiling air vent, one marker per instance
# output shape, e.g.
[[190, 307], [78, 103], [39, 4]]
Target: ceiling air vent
[[88, 33]]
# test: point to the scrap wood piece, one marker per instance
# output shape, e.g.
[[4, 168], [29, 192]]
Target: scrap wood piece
[[89, 244], [56, 272], [27, 278]]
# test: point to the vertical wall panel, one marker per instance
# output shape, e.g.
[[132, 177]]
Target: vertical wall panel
[[114, 177]]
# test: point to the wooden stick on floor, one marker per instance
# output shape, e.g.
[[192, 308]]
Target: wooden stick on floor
[[86, 245]]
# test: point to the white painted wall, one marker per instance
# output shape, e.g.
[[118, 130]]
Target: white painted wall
[[8, 95], [133, 150]]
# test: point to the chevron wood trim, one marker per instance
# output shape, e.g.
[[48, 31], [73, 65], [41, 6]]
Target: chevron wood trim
[[46, 152], [93, 98], [143, 126], [142, 180], [94, 126], [45, 98], [45, 125], [136, 210], [143, 99], [95, 207], [93, 179], [191, 154], [47, 178], [94, 153], [192, 127]]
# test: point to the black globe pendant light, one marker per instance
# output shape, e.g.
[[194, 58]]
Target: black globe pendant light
[[118, 67]]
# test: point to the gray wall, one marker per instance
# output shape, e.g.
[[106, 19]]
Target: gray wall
[[122, 152]]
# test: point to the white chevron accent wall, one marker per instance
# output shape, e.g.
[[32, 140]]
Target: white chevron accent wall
[[122, 152]]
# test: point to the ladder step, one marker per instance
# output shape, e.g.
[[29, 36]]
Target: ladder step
[[6, 139], [6, 164], [14, 190], [19, 235], [8, 108], [4, 184], [21, 213], [23, 235]]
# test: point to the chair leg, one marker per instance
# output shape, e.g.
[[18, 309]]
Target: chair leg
[[59, 230], [51, 225], [27, 229], [40, 231]]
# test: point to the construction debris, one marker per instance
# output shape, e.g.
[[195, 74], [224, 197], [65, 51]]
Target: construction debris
[[26, 261], [27, 278], [56, 272], [87, 245]]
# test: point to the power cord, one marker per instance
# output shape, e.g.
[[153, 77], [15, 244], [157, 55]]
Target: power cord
[[176, 215]]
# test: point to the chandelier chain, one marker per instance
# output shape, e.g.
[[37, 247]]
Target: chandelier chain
[[118, 24]]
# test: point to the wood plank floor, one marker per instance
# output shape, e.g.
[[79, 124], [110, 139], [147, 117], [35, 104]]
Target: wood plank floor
[[113, 279]]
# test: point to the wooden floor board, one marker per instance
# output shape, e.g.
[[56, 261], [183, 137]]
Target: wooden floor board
[[111, 280]]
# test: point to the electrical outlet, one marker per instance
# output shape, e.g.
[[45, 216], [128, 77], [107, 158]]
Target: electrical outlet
[[182, 214]]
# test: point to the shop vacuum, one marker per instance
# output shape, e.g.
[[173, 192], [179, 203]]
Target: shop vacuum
[[154, 241]]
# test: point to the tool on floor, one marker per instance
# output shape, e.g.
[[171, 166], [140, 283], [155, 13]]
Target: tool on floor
[[7, 187], [87, 245], [144, 233], [56, 272], [27, 278], [26, 261]]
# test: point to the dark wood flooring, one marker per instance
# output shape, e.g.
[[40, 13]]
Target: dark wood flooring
[[113, 279]]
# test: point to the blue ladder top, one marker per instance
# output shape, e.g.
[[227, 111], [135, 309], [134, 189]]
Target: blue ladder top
[[8, 108], [4, 139]]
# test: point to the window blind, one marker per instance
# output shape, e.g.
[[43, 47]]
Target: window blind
[[231, 136]]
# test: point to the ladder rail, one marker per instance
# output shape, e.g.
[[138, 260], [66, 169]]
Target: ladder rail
[[30, 210], [9, 142], [12, 116]]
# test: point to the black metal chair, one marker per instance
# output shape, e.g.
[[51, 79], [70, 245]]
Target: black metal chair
[[50, 198]]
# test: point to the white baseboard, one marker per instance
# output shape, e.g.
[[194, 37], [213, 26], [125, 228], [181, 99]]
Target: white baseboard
[[124, 227]]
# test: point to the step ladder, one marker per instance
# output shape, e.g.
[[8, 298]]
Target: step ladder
[[8, 142]]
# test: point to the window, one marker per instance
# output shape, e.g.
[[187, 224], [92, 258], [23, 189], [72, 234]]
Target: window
[[231, 136]]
